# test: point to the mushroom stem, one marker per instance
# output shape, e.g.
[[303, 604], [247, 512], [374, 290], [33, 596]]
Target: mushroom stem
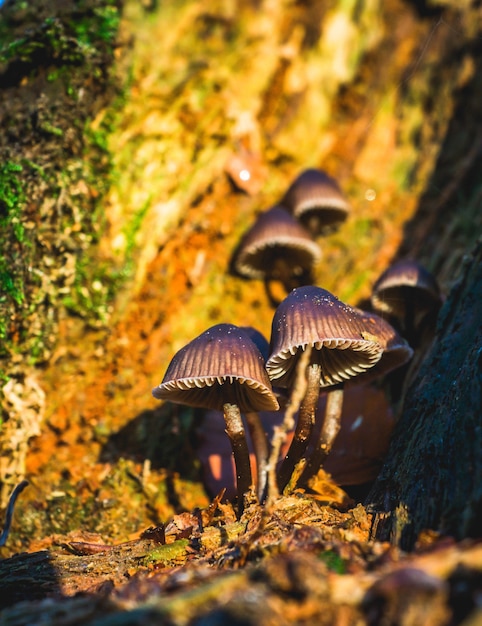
[[304, 426], [261, 451], [237, 437], [409, 330], [328, 433], [290, 277]]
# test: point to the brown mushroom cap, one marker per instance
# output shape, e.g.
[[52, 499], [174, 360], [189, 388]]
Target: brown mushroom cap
[[276, 236], [311, 316], [403, 282], [222, 365], [246, 171], [258, 339], [396, 351], [315, 194]]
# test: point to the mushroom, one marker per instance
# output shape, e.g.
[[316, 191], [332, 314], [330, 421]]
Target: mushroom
[[409, 294], [246, 171], [316, 199], [222, 369], [341, 348], [277, 247], [395, 353]]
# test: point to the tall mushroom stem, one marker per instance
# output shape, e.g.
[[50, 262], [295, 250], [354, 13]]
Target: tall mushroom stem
[[261, 452], [304, 426], [237, 437], [329, 430]]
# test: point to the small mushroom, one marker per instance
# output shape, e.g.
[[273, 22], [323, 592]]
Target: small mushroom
[[317, 201], [277, 247], [396, 353], [222, 369], [409, 295], [341, 348], [246, 171]]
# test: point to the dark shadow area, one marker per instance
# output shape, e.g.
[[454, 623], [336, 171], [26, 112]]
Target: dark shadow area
[[164, 436], [448, 220], [28, 577], [430, 478]]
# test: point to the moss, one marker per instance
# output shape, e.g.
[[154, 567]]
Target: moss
[[49, 218], [12, 243], [333, 561], [65, 39], [169, 554], [102, 24]]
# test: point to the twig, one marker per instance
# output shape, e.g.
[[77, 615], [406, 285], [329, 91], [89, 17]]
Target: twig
[[280, 432], [9, 513]]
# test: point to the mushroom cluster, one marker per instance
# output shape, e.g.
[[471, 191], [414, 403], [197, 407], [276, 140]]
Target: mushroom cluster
[[280, 245], [319, 347]]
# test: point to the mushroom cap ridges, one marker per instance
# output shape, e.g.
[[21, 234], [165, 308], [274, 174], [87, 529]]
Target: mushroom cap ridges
[[341, 342], [396, 351], [222, 365], [314, 191], [275, 235], [406, 280]]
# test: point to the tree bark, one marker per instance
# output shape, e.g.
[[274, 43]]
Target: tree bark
[[432, 478]]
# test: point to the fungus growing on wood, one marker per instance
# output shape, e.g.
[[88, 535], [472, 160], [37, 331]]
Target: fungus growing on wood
[[222, 369], [316, 200], [395, 353], [277, 247], [341, 348], [409, 294]]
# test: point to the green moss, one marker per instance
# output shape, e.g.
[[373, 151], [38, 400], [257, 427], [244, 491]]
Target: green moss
[[12, 198], [12, 242], [70, 48], [169, 553], [102, 24], [68, 40], [333, 561], [92, 292]]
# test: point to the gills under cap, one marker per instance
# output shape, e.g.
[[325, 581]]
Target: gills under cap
[[337, 332], [222, 365], [276, 237], [315, 198], [406, 284]]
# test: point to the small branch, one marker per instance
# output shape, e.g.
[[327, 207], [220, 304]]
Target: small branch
[[279, 436], [9, 512]]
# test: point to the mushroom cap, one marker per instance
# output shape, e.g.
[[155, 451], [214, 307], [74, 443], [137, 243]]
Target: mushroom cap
[[315, 194], [258, 339], [276, 237], [337, 332], [222, 365], [246, 171], [405, 281], [396, 351]]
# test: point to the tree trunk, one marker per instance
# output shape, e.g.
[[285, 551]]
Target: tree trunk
[[432, 478]]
